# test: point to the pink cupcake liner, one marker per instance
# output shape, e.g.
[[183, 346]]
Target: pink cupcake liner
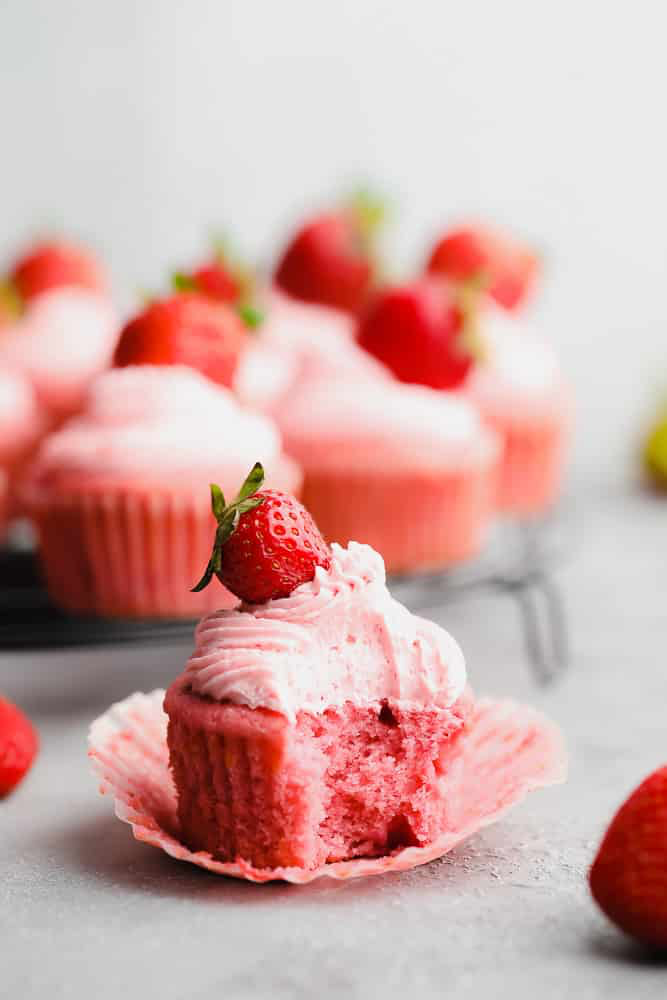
[[507, 751], [128, 552], [531, 471], [417, 521]]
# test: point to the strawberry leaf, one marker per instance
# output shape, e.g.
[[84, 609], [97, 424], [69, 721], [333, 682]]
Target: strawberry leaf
[[251, 317], [245, 505], [181, 282], [253, 481], [217, 501]]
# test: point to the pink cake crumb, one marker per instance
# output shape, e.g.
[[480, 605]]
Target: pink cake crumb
[[349, 782]]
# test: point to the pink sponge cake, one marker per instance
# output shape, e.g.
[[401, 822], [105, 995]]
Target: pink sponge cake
[[521, 394], [118, 493], [374, 448]]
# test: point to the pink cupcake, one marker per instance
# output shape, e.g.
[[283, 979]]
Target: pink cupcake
[[119, 493], [331, 725], [520, 393], [372, 449], [63, 338]]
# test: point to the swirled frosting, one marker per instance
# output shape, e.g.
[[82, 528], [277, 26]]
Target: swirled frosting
[[341, 637], [331, 423], [154, 422], [64, 338]]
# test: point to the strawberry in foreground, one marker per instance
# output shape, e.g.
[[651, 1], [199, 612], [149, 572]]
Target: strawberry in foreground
[[18, 746], [423, 331], [507, 268], [56, 264], [266, 543], [331, 259], [185, 329], [628, 878]]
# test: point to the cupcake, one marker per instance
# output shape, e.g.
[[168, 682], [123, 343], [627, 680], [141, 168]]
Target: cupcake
[[118, 494], [373, 449], [520, 393], [321, 721], [64, 327]]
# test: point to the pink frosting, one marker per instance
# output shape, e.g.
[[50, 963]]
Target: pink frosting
[[341, 637], [157, 423], [380, 424], [21, 421], [64, 338], [520, 374], [299, 343]]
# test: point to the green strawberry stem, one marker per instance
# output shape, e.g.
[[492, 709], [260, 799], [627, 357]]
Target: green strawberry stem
[[228, 517], [11, 304], [470, 295], [181, 282]]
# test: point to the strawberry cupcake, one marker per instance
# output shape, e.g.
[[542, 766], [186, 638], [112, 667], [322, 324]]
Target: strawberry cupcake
[[116, 494], [373, 448], [320, 728], [520, 392], [64, 327], [21, 421]]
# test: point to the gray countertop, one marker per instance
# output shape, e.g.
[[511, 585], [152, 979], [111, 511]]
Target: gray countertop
[[87, 911]]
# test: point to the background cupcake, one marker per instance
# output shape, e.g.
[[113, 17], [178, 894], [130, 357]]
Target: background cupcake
[[62, 328], [407, 468], [119, 495], [520, 392]]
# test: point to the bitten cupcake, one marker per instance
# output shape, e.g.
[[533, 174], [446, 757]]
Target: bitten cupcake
[[520, 392], [63, 327], [116, 494], [322, 722], [408, 469]]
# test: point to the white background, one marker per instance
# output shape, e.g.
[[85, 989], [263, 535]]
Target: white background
[[142, 126]]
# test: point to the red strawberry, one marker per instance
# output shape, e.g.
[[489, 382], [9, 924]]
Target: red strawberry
[[507, 268], [266, 543], [185, 329], [330, 259], [55, 265], [18, 746], [422, 332], [628, 878]]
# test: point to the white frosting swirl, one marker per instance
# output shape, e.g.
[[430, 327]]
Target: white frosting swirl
[[341, 637]]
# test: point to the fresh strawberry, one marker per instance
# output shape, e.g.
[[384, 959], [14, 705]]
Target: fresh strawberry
[[18, 746], [330, 260], [55, 265], [507, 268], [629, 875], [423, 332], [185, 329], [266, 543]]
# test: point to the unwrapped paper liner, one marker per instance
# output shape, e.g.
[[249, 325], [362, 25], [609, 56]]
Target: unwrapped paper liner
[[507, 751]]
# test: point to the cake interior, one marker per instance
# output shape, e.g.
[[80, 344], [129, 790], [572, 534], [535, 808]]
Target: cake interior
[[349, 782]]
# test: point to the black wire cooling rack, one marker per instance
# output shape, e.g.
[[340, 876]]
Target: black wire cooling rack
[[519, 562]]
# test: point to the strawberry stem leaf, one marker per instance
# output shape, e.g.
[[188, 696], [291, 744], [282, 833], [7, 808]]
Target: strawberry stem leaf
[[181, 282], [228, 517], [251, 317]]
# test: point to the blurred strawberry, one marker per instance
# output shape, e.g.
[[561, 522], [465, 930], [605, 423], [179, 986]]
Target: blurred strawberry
[[18, 746], [507, 268], [185, 329], [423, 331], [331, 259], [628, 878], [222, 278], [56, 265]]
